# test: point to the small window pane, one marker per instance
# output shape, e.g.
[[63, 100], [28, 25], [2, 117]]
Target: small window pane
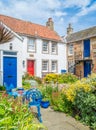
[[54, 66], [31, 44], [45, 65], [45, 46], [54, 48], [70, 49]]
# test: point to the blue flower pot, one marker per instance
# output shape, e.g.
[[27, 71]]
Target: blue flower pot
[[45, 104]]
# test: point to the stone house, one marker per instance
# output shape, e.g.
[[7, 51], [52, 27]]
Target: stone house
[[81, 51]]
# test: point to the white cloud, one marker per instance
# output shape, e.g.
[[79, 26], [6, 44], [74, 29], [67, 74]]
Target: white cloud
[[78, 3], [28, 9], [52, 3], [87, 10], [38, 11], [59, 13], [83, 11]]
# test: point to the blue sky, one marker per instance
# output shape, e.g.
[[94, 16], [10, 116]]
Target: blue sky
[[80, 13]]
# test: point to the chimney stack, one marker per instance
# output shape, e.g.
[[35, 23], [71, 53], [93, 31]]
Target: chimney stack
[[69, 29], [50, 24]]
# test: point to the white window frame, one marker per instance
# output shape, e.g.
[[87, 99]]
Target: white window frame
[[54, 65], [54, 48], [45, 47], [45, 65], [31, 46], [70, 49]]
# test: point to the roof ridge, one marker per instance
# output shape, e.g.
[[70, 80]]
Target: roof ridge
[[22, 20], [82, 30], [29, 28], [19, 19], [81, 35]]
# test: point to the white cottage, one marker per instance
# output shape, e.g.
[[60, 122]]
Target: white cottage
[[40, 52], [11, 61]]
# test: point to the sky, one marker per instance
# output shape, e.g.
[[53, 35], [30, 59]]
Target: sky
[[80, 13]]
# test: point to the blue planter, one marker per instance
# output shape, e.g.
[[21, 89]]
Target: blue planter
[[45, 104]]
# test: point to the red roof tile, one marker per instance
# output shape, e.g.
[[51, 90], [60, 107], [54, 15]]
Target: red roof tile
[[28, 28]]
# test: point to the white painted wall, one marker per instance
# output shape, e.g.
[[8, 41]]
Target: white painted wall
[[38, 56], [17, 47], [62, 64], [20, 46], [23, 55]]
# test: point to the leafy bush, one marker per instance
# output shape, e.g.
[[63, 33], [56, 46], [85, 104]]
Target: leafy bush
[[2, 88], [28, 81], [77, 99], [70, 91], [67, 78], [47, 91], [30, 77], [26, 85], [52, 77], [85, 105], [61, 103], [91, 80], [16, 116], [60, 78]]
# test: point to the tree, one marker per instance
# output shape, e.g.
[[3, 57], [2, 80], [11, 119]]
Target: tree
[[5, 34]]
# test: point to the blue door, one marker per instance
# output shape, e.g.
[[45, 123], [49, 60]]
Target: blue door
[[10, 71], [87, 68], [87, 48]]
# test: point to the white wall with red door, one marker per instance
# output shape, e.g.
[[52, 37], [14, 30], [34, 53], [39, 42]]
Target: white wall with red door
[[33, 60]]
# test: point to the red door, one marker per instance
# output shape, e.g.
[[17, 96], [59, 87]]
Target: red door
[[30, 67]]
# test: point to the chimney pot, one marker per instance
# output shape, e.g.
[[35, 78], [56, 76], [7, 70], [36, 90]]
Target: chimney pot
[[69, 29], [50, 24], [49, 19]]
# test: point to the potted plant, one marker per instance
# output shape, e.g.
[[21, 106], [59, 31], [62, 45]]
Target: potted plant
[[45, 102]]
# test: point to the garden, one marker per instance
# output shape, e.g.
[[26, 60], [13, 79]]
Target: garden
[[16, 116], [76, 98], [65, 92]]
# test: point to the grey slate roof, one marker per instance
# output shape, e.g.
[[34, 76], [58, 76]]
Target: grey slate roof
[[81, 35]]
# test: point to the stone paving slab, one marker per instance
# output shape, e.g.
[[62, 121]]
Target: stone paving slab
[[59, 121]]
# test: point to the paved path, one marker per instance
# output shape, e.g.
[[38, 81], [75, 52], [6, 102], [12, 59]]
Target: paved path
[[59, 121]]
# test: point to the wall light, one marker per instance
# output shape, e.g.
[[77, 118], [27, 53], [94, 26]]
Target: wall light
[[10, 46], [23, 63]]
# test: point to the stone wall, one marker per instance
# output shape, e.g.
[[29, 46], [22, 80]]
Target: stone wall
[[78, 58], [93, 54]]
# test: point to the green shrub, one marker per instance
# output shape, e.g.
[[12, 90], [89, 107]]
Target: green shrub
[[85, 106], [2, 88], [91, 80], [60, 103], [26, 85], [27, 76], [52, 77], [16, 116], [46, 91], [67, 78], [60, 78]]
